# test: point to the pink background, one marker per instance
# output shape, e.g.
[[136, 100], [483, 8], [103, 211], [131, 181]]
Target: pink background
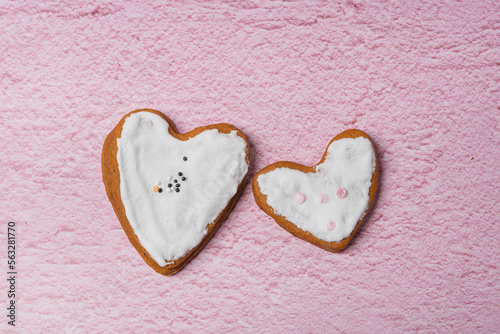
[[421, 78]]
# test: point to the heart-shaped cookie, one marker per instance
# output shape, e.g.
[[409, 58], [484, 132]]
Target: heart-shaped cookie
[[171, 191], [323, 204]]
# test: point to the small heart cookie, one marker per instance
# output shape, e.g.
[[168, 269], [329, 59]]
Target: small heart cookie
[[323, 204], [171, 191]]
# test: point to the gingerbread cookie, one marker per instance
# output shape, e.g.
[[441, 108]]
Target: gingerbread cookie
[[323, 204], [171, 191]]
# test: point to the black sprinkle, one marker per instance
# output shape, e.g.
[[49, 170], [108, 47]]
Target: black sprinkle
[[183, 178], [160, 190], [170, 185], [185, 158], [180, 174], [177, 190], [178, 185], [175, 181]]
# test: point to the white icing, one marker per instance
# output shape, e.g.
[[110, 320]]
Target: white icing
[[170, 224], [349, 164]]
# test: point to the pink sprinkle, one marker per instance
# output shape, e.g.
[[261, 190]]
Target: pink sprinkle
[[341, 193], [300, 198], [323, 199], [331, 225]]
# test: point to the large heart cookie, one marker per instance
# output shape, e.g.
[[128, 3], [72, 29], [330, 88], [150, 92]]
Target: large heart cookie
[[323, 204], [171, 191]]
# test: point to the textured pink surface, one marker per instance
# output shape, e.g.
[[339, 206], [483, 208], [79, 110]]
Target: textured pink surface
[[421, 79]]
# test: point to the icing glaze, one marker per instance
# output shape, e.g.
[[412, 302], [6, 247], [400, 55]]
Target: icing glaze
[[170, 224], [349, 164]]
